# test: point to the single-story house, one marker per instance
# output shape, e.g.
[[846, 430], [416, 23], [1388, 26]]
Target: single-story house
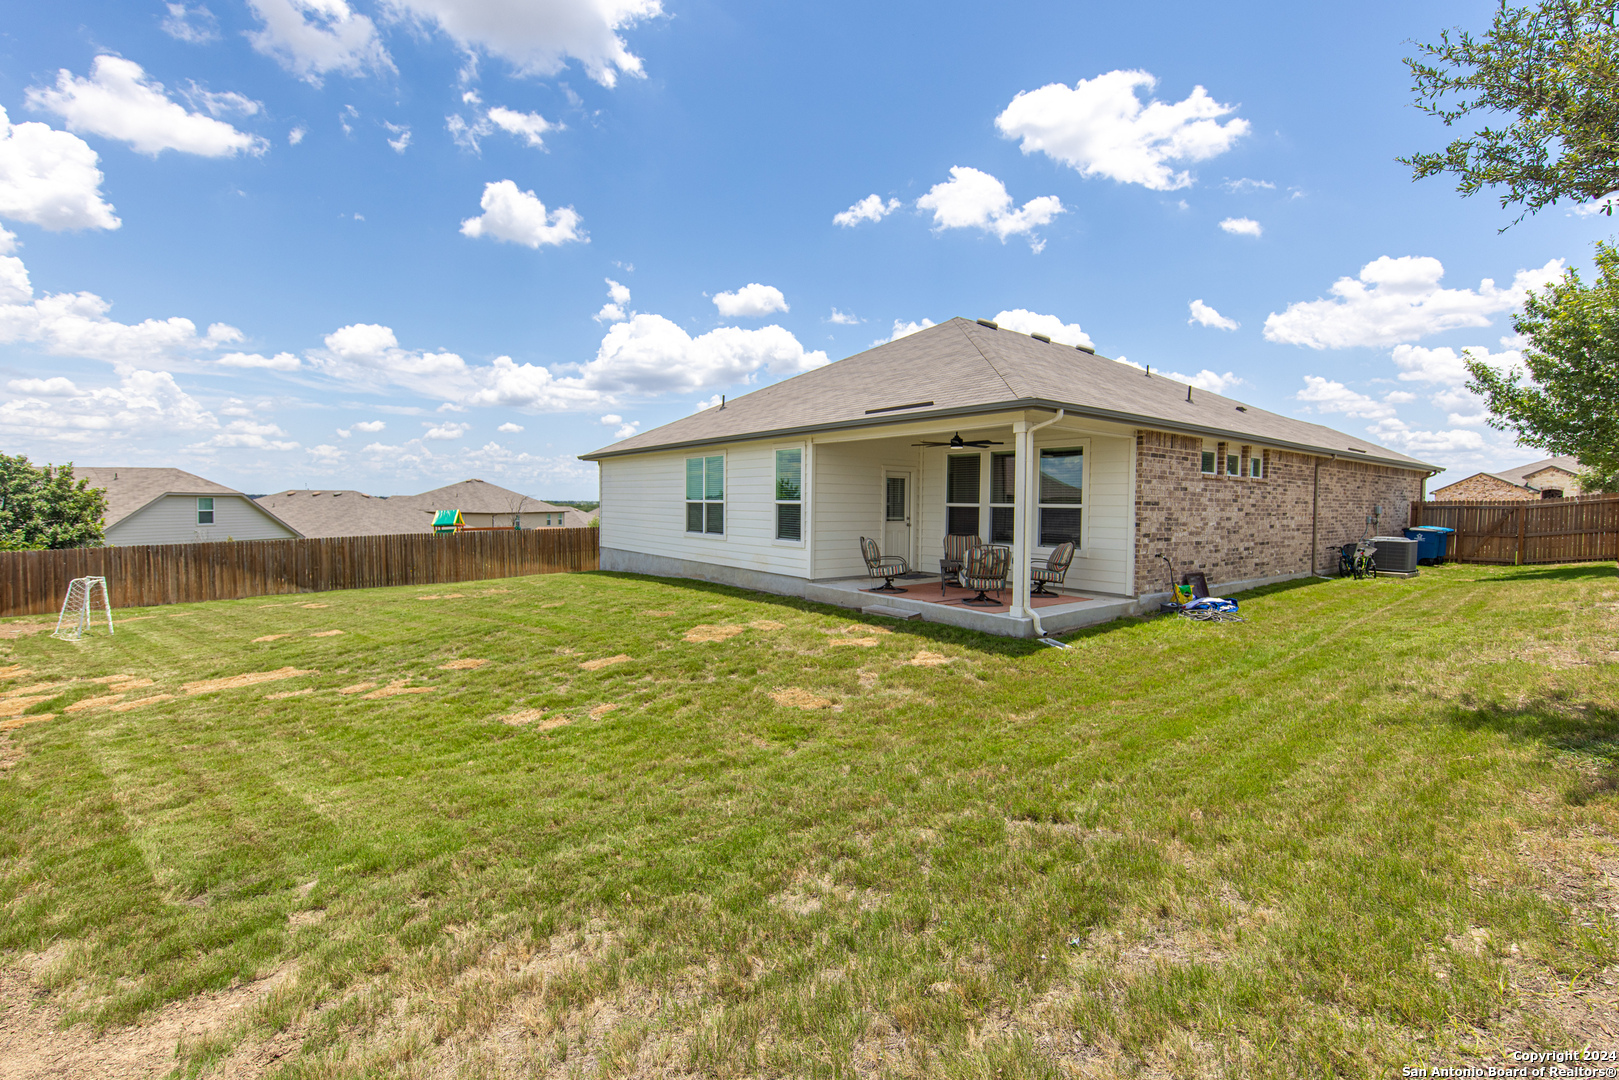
[[1550, 478], [344, 512], [965, 428], [170, 506]]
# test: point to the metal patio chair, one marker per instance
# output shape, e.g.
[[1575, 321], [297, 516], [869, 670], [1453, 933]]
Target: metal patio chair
[[887, 567], [1054, 571], [956, 546], [985, 569]]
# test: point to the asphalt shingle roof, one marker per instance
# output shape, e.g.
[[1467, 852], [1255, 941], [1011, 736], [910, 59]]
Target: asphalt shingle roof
[[130, 489], [340, 512], [960, 367]]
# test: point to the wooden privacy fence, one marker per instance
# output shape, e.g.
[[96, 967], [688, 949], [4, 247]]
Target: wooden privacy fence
[[34, 582], [1581, 529]]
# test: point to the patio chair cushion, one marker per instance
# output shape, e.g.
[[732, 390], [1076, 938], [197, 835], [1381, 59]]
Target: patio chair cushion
[[880, 565], [1057, 562], [956, 546], [985, 569]]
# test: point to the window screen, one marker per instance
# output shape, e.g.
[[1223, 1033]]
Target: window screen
[[1062, 495], [705, 494], [961, 493], [790, 494], [205, 511]]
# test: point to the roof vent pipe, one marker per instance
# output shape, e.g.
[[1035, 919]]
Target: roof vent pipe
[[1188, 393], [1149, 371], [722, 401]]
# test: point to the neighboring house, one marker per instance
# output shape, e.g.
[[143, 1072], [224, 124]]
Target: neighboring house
[[328, 512], [1548, 479], [773, 490], [168, 506]]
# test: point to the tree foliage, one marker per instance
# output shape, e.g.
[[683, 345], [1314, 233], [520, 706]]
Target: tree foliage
[[1570, 402], [1552, 72], [42, 507]]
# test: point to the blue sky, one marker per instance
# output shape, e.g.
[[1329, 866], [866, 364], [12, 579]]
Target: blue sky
[[386, 244]]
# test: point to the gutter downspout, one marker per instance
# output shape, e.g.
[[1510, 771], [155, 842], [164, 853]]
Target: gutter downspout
[[1028, 532], [1315, 510]]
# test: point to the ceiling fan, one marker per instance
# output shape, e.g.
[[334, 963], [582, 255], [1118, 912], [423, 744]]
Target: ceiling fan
[[958, 443]]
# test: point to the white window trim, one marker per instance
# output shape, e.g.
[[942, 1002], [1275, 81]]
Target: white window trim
[[724, 499], [1084, 446], [983, 489], [803, 496], [1212, 449], [213, 510]]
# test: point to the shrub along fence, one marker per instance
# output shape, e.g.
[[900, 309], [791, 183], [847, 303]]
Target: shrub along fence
[[1581, 529], [34, 582]]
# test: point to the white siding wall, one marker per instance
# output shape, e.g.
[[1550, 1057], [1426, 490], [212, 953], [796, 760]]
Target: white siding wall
[[1104, 565], [644, 509], [849, 502], [173, 520]]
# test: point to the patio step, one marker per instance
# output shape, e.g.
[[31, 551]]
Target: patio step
[[888, 611]]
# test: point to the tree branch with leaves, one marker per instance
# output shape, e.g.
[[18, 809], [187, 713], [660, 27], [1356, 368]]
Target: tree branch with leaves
[[42, 507], [1551, 72]]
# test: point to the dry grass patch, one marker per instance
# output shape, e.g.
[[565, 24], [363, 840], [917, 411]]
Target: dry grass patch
[[86, 704], [357, 688], [270, 637], [794, 698], [126, 706], [527, 716], [326, 633], [925, 658], [606, 661], [18, 721], [398, 687], [15, 706], [131, 684], [283, 694], [602, 710], [658, 614], [23, 629], [104, 680], [863, 642], [464, 664], [314, 605], [713, 632], [13, 671], [767, 624], [252, 678]]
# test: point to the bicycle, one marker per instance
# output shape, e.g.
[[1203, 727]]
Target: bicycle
[[1365, 565]]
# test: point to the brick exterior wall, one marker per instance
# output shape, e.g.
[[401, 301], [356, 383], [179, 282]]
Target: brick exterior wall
[[1483, 486], [1235, 528]]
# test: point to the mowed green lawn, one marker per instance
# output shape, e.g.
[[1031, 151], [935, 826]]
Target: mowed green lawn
[[1372, 826]]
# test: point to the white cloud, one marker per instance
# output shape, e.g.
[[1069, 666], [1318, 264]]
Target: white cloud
[[1101, 128], [519, 217], [510, 428], [370, 426], [326, 454], [1213, 382], [1241, 226], [466, 135], [649, 354], [1462, 407], [906, 329], [313, 38], [843, 318], [625, 430], [193, 25], [49, 178], [975, 199], [244, 434], [401, 133], [278, 362], [1243, 185], [871, 208], [296, 135], [15, 287], [1204, 315], [540, 38], [54, 387], [617, 296], [446, 431], [145, 404], [1604, 205], [612, 418], [750, 301], [1327, 396], [529, 126], [1029, 322], [222, 102], [708, 403], [1398, 300], [1401, 436]]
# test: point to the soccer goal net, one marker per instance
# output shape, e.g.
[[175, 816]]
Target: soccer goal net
[[79, 608]]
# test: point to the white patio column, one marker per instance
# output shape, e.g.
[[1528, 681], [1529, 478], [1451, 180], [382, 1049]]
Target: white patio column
[[1023, 488]]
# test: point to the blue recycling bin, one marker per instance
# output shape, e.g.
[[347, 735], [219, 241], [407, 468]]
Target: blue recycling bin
[[1433, 541]]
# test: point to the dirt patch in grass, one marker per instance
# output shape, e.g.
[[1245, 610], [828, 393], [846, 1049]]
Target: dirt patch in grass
[[602, 710], [126, 706], [767, 624], [252, 678], [283, 694], [13, 671], [104, 680], [314, 605], [10, 753], [23, 629], [19, 721], [270, 637], [466, 664], [85, 704], [527, 716], [399, 686], [326, 633], [131, 684], [713, 632], [658, 614], [606, 661], [554, 603], [36, 688], [33, 1042], [14, 706], [864, 642], [793, 698], [928, 659], [357, 688]]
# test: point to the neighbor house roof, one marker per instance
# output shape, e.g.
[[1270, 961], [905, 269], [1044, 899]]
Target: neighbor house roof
[[482, 497], [1522, 473], [959, 368], [341, 512], [130, 489]]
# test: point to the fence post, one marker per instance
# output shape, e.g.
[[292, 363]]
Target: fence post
[[1523, 525]]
